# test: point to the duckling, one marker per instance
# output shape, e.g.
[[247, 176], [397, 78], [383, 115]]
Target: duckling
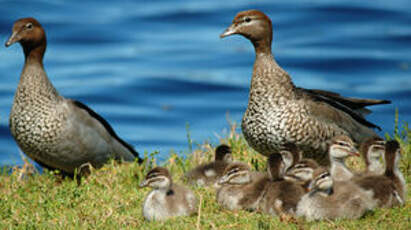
[[208, 174], [280, 195], [240, 188], [302, 172], [371, 151], [389, 189], [166, 199], [393, 156], [341, 147], [329, 199]]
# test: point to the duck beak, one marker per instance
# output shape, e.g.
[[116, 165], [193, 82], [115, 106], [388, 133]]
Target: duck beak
[[229, 31], [354, 152], [13, 39], [143, 184]]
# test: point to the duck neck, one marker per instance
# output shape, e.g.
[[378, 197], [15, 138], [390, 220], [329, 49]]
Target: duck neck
[[269, 79], [262, 46], [34, 81], [34, 55]]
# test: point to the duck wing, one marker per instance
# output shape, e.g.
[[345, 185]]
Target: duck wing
[[354, 107], [106, 125]]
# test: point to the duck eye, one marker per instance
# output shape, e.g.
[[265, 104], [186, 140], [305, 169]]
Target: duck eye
[[29, 26], [247, 19]]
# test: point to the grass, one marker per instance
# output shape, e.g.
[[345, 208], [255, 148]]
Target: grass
[[110, 198]]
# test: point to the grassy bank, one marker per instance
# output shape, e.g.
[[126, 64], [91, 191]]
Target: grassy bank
[[110, 198]]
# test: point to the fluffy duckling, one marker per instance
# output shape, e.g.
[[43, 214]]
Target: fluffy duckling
[[328, 199], [280, 195], [389, 189], [341, 147], [371, 151], [167, 199], [208, 174], [240, 188]]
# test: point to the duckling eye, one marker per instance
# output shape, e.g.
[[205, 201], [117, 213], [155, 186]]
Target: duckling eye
[[299, 166], [29, 26], [324, 175], [247, 19], [342, 144]]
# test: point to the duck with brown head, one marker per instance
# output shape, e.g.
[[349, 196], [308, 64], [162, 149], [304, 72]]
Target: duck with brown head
[[56, 132], [280, 113]]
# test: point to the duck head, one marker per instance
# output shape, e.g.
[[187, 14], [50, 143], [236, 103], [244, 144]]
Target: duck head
[[255, 26]]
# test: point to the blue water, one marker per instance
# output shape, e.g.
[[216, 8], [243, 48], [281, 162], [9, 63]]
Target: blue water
[[152, 67]]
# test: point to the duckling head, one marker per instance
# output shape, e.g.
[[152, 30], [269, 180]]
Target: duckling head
[[322, 180], [342, 147], [303, 171], [372, 149], [236, 173], [157, 178], [223, 153]]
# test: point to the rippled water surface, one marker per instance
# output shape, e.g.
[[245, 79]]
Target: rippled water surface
[[152, 67]]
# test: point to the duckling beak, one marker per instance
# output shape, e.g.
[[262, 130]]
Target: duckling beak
[[13, 39], [222, 180], [229, 31], [354, 152], [143, 184]]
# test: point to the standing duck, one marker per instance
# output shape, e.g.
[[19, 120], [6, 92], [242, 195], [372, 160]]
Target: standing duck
[[167, 199], [278, 112], [332, 200], [389, 188], [341, 147], [56, 132], [371, 151], [208, 174]]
